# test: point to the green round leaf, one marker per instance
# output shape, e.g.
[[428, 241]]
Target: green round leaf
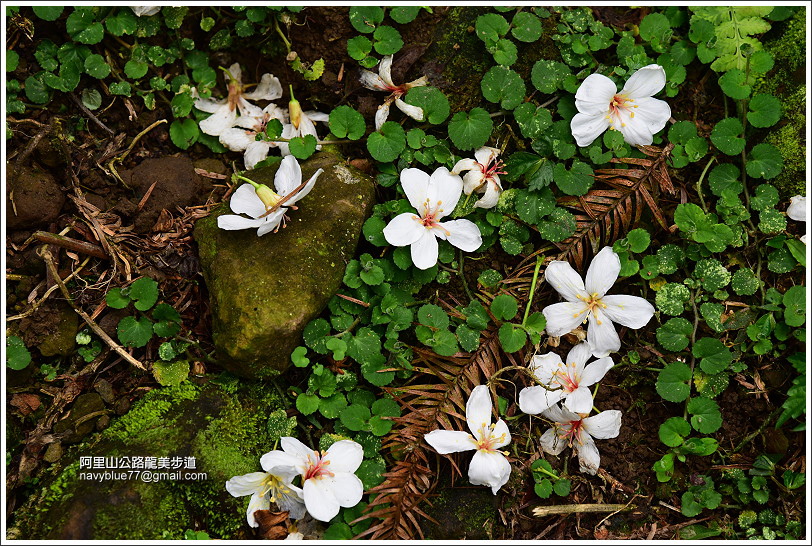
[[674, 334], [558, 225], [364, 19], [121, 88], [96, 66], [359, 47], [765, 111], [764, 161], [726, 136], [491, 27], [91, 98], [171, 374], [433, 316], [733, 84], [655, 27], [83, 28], [548, 76], [705, 415], [122, 22], [134, 332], [745, 282], [504, 52], [355, 417], [144, 292], [135, 69], [673, 382], [574, 181], [12, 60], [715, 357], [526, 27], [303, 147], [674, 431], [299, 358], [470, 130], [504, 86], [433, 102], [307, 403], [48, 13], [512, 337], [504, 307], [795, 303], [346, 122], [17, 355], [387, 40], [404, 14], [184, 133], [639, 239], [35, 90], [387, 144]]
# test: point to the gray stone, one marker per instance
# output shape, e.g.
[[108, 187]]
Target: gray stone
[[264, 290]]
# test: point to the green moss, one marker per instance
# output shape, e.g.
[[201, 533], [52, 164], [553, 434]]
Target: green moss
[[463, 513], [151, 413]]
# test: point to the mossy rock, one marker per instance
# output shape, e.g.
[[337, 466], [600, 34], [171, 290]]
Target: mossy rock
[[264, 290], [463, 512], [225, 428]]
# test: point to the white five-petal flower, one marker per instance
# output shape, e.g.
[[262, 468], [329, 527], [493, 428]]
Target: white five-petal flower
[[328, 478], [489, 466], [483, 176], [797, 211], [434, 197], [382, 81], [632, 111], [570, 380], [145, 11], [588, 301], [263, 204], [224, 112], [570, 429], [243, 137], [273, 485]]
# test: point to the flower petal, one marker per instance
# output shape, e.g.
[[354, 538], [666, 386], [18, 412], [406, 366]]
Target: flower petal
[[235, 72], [304, 191], [491, 197], [404, 229], [236, 139], [414, 112], [797, 208], [543, 367], [602, 335], [472, 181], [209, 105], [224, 118], [345, 456], [566, 281], [269, 88], [466, 164], [579, 400], [385, 70], [646, 82], [478, 410], [272, 222], [292, 503], [257, 502], [449, 441], [605, 424], [491, 469], [595, 371], [560, 414], [347, 488], [415, 185], [317, 116], [551, 443], [635, 132], [278, 462], [579, 355], [595, 94], [587, 127], [444, 191], [655, 113], [425, 250], [246, 201], [602, 272], [631, 311], [320, 500], [486, 155], [588, 455], [536, 399], [381, 115], [563, 318], [288, 176], [370, 80], [247, 484], [463, 234], [232, 222], [297, 449], [255, 152], [500, 430]]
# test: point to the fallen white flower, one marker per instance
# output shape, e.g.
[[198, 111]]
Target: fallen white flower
[[328, 478], [797, 211], [264, 205], [382, 81], [301, 124], [243, 137], [632, 111], [571, 381], [145, 11], [573, 430], [224, 112], [489, 466], [434, 197], [273, 485], [483, 176], [588, 301]]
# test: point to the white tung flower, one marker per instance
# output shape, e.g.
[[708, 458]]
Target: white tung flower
[[570, 380], [328, 478], [573, 430], [301, 124], [273, 485], [224, 112], [145, 11], [797, 211], [243, 137], [264, 205], [483, 176], [434, 197], [588, 301], [382, 81], [489, 466], [632, 111]]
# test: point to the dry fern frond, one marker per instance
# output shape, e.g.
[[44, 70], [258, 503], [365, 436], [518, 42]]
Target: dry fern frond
[[605, 215]]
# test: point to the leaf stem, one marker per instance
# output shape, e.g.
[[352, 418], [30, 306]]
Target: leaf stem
[[463, 279], [699, 184], [539, 259]]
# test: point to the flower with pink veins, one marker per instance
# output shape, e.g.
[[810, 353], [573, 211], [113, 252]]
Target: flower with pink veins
[[328, 478], [632, 111], [483, 176], [569, 381], [579, 432], [224, 112], [382, 81], [797, 211], [434, 197], [273, 485], [489, 466]]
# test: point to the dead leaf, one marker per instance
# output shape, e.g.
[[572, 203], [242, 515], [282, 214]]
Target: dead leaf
[[26, 403], [272, 525]]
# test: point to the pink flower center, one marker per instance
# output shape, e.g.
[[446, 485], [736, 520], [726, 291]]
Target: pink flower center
[[593, 304], [562, 376], [488, 439], [491, 169], [430, 218], [570, 431], [316, 468], [620, 104]]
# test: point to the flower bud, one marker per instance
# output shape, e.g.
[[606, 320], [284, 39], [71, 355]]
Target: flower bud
[[267, 195], [295, 110]]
